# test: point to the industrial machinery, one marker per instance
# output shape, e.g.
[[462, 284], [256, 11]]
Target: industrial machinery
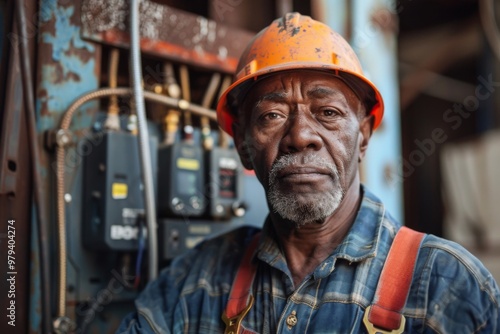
[[122, 132]]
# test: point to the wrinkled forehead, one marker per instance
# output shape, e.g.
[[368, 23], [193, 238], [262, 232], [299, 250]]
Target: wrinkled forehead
[[291, 85]]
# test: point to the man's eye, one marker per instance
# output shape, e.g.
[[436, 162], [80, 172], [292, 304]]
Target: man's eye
[[330, 112], [271, 115]]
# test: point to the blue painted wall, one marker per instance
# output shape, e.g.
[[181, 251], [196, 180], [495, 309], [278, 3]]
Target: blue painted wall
[[377, 52]]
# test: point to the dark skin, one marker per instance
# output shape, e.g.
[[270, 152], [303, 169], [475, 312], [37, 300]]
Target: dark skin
[[297, 112]]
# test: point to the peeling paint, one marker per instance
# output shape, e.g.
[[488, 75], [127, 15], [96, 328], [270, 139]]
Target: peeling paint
[[65, 35], [70, 71], [47, 8], [61, 95], [166, 32], [295, 31]]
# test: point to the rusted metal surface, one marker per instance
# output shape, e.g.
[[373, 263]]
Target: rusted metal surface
[[67, 68], [166, 32], [10, 134], [40, 223], [15, 203]]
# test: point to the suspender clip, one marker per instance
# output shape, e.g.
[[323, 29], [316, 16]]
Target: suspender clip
[[375, 330], [233, 324]]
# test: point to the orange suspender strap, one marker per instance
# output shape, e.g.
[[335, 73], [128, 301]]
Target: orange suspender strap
[[383, 317], [240, 300], [385, 314]]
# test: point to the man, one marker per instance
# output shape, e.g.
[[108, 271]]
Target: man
[[301, 113]]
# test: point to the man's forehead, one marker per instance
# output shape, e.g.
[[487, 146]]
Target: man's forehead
[[308, 77], [314, 92], [312, 84]]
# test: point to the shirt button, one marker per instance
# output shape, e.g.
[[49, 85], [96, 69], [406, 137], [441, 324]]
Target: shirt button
[[291, 320]]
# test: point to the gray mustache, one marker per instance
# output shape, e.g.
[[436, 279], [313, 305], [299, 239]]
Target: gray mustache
[[290, 160]]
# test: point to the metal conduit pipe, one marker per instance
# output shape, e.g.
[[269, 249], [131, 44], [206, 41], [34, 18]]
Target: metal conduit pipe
[[144, 149], [124, 92]]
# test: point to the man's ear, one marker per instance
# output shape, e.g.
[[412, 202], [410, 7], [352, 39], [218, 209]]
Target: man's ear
[[365, 133], [242, 146]]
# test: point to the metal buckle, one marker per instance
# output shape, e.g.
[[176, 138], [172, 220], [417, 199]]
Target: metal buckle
[[233, 324], [375, 330]]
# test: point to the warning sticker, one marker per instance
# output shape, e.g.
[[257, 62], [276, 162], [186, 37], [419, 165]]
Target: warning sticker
[[119, 190], [189, 164]]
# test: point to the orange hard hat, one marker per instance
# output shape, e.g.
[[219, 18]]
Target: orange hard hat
[[297, 42]]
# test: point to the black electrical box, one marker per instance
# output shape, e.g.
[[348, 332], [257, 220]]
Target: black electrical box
[[179, 236], [225, 178], [181, 180], [113, 192]]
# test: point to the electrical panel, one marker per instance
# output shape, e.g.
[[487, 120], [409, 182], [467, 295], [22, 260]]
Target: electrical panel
[[179, 235], [181, 180], [113, 200], [225, 178]]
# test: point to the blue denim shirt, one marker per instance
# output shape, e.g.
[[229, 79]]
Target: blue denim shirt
[[451, 291]]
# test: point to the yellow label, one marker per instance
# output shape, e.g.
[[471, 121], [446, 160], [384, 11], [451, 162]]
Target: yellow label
[[199, 229], [190, 164], [119, 190]]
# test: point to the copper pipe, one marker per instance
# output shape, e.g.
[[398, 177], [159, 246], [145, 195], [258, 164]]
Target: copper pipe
[[172, 89], [208, 141], [186, 95], [113, 80], [112, 121]]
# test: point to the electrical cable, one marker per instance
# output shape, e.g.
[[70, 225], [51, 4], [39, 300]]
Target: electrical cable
[[125, 270], [143, 135], [140, 252], [29, 105]]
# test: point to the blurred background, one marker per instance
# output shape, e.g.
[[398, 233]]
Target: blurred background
[[70, 178]]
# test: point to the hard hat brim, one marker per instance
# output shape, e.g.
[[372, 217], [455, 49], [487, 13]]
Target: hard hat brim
[[226, 116]]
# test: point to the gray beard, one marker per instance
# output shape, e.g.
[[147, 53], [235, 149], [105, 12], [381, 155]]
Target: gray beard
[[287, 204]]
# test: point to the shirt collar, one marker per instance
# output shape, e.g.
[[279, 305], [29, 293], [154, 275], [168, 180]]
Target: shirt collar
[[362, 240]]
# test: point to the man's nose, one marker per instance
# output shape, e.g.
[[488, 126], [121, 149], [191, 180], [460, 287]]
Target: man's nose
[[301, 134]]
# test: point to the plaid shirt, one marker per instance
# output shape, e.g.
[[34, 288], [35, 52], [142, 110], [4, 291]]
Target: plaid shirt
[[451, 291]]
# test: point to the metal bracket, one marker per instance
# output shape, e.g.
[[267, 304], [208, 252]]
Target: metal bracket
[[376, 330], [233, 324], [57, 138], [64, 325]]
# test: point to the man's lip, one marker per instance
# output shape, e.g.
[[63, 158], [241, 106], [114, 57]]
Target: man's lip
[[302, 171]]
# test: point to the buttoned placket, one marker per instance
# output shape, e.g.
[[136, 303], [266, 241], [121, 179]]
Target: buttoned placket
[[293, 318]]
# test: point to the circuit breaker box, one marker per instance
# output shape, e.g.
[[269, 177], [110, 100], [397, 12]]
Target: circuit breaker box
[[225, 177], [113, 193], [181, 180]]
